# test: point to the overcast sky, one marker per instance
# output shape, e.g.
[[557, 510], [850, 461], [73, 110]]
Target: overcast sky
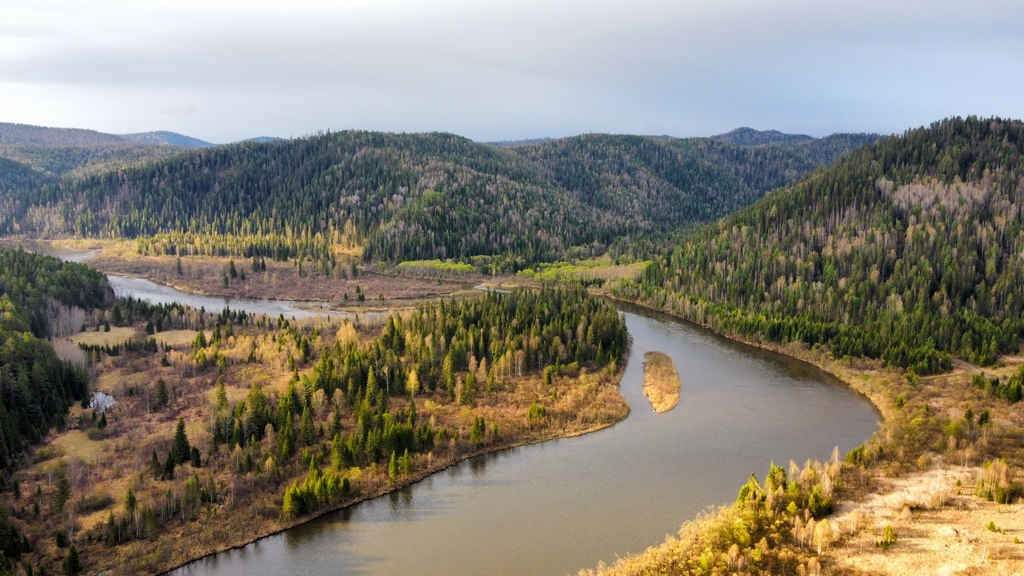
[[498, 70]]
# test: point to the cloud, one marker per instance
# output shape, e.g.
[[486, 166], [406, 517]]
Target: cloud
[[503, 69]]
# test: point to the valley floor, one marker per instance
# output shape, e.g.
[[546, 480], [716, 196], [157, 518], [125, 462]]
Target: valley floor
[[923, 488], [347, 287]]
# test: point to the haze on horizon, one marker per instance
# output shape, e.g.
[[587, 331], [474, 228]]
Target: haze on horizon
[[502, 70]]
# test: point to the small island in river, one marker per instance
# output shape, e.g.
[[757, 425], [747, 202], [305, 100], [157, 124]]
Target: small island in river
[[661, 382]]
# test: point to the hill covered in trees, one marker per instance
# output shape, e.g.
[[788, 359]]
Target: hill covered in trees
[[907, 250], [819, 150], [44, 136], [19, 176], [50, 154], [410, 196]]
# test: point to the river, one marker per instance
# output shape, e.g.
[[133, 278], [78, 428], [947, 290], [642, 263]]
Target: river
[[559, 506], [556, 507]]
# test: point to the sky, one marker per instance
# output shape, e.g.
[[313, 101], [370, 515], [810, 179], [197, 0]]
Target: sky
[[507, 69]]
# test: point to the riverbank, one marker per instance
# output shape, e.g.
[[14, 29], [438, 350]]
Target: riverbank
[[404, 482], [917, 476]]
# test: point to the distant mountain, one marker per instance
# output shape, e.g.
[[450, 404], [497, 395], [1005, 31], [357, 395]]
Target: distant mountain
[[55, 153], [42, 136], [751, 137], [907, 249], [165, 137], [823, 151], [263, 139], [827, 150], [514, 143], [27, 135]]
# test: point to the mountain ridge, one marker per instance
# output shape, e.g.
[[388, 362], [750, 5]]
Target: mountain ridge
[[13, 134]]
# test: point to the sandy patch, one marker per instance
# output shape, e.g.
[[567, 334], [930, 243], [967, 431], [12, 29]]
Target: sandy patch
[[941, 528], [661, 382]]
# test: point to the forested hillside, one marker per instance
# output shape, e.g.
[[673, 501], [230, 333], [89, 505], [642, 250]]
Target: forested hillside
[[46, 137], [36, 388], [818, 150], [54, 153], [409, 196], [908, 250], [662, 184], [51, 163], [17, 176]]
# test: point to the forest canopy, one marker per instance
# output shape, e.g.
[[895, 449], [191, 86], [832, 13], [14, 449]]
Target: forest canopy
[[36, 387], [409, 196], [908, 250]]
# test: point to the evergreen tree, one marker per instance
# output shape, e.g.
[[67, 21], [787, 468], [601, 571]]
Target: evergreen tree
[[162, 396], [468, 396], [181, 450], [62, 487], [130, 501], [222, 394], [306, 428], [72, 564]]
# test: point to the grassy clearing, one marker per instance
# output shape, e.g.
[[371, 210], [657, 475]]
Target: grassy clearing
[[941, 528], [115, 336], [661, 382], [436, 268], [77, 443], [280, 280], [179, 338], [600, 270]]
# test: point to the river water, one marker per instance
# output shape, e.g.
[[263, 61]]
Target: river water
[[559, 506]]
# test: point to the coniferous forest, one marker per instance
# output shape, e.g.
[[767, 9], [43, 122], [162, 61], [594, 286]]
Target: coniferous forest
[[36, 388], [408, 196], [908, 250]]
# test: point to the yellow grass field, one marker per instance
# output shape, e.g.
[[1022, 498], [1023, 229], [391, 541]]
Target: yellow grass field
[[178, 338], [115, 336]]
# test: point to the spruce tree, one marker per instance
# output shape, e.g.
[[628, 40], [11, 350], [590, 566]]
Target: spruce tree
[[181, 450], [306, 428], [72, 563]]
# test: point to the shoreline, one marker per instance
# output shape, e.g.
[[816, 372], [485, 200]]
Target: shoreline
[[404, 483], [808, 358]]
